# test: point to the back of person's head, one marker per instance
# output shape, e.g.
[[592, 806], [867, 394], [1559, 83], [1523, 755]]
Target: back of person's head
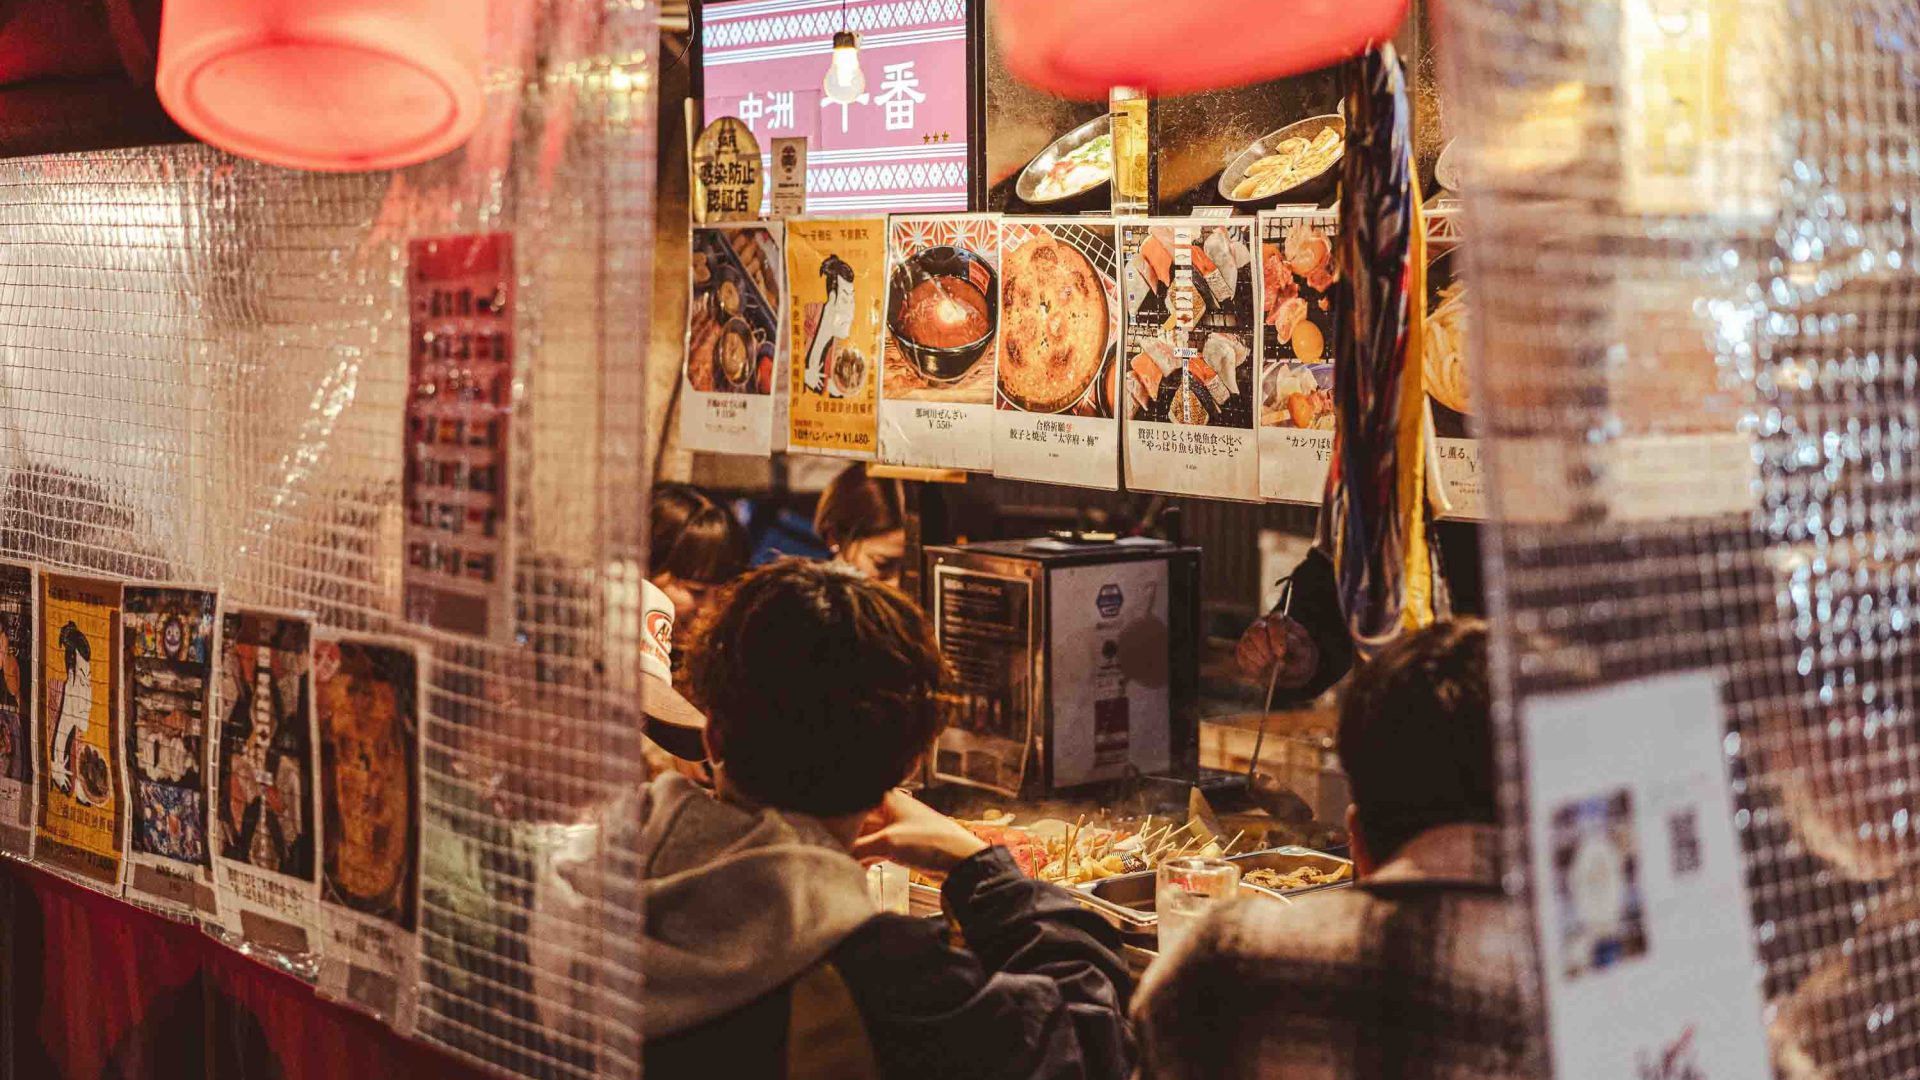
[[693, 537], [1416, 736], [855, 506], [819, 687]]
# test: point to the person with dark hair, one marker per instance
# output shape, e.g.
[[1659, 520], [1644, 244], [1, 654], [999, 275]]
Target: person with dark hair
[[1419, 970], [763, 954], [863, 522], [694, 546]]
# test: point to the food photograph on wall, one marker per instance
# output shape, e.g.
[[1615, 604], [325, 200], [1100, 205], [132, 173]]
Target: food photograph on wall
[[943, 310], [735, 321], [1299, 294]]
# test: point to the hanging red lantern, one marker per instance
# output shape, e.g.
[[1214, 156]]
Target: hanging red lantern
[[1081, 48], [333, 85]]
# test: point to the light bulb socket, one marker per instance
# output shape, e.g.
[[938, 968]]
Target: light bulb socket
[[845, 39]]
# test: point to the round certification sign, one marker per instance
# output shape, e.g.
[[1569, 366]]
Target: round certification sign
[[727, 179]]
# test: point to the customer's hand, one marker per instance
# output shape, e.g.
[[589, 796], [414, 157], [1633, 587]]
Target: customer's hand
[[904, 830], [1277, 640]]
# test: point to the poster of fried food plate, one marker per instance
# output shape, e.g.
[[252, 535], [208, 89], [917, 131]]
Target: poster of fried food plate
[[168, 635], [264, 782], [837, 284], [18, 595], [81, 826], [1191, 373], [736, 311], [368, 695], [1298, 287], [1446, 369], [1055, 418], [943, 304]]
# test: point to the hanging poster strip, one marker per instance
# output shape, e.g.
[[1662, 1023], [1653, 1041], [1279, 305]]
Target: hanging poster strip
[[736, 314], [836, 280], [1191, 373], [81, 804], [168, 636], [368, 695], [1298, 293], [943, 305], [459, 399], [265, 782], [1446, 365], [1055, 417], [18, 595]]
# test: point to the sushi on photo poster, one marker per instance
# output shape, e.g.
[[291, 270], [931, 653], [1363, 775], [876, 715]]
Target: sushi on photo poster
[[736, 339], [369, 694], [836, 284], [266, 781], [18, 630], [80, 794], [943, 312], [167, 633], [1191, 370], [1056, 384], [1300, 295]]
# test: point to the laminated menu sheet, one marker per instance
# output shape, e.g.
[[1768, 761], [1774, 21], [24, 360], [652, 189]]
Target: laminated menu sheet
[[18, 627], [736, 320], [943, 306], [168, 635], [1299, 286], [81, 812]]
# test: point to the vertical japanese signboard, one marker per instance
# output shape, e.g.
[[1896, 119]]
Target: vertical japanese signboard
[[459, 398], [82, 793]]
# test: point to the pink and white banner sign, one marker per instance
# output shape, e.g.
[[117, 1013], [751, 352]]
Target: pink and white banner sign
[[901, 147]]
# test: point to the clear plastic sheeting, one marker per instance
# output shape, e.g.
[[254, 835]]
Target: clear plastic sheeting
[[1697, 330], [203, 371]]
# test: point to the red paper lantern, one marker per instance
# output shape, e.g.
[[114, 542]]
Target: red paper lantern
[[1081, 48], [333, 85]]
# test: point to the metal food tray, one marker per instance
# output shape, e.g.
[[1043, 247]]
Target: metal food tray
[[1133, 893]]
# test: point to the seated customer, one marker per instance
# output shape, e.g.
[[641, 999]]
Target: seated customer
[[1418, 970], [694, 547], [863, 523], [763, 956]]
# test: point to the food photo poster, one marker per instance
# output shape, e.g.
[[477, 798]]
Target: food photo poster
[[736, 313], [82, 806], [17, 659], [168, 635], [1055, 415], [836, 278], [1299, 293], [943, 310]]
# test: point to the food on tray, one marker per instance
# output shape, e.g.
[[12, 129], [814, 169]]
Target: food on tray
[[1224, 354], [1446, 351], [850, 370], [1309, 344], [734, 352], [1076, 853], [750, 247], [945, 313], [95, 785], [729, 297], [1294, 399], [1306, 877], [1291, 163], [1054, 324], [1187, 408], [1087, 166], [1287, 317]]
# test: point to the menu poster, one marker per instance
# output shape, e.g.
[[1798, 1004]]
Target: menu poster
[[82, 818], [368, 694], [1191, 374], [1297, 307], [168, 638], [985, 629], [736, 308], [17, 627], [943, 304], [1056, 378], [266, 870], [1446, 365], [837, 281], [459, 398], [1648, 960]]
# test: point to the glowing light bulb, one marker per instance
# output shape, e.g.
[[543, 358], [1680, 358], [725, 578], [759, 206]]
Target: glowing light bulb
[[845, 82]]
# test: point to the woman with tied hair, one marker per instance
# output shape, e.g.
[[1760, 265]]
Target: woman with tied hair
[[863, 523]]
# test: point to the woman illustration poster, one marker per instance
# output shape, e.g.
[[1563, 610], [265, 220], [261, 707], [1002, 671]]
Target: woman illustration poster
[[80, 828], [836, 276]]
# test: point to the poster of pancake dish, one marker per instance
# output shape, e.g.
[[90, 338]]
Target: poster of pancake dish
[[943, 305], [1298, 282], [736, 310], [837, 285], [1055, 384], [1191, 373]]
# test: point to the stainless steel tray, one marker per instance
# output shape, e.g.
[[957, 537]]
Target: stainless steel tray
[[1134, 892]]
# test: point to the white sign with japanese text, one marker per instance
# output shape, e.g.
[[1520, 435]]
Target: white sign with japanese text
[[789, 174]]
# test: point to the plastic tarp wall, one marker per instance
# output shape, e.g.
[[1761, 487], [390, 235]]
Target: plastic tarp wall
[[203, 373], [1691, 253]]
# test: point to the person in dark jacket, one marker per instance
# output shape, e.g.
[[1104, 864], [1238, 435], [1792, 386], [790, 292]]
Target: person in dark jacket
[[763, 956]]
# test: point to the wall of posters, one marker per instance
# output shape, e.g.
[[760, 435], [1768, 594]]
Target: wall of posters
[[168, 636], [736, 313], [836, 280], [943, 306], [17, 629], [459, 398], [367, 695], [81, 800], [1191, 374], [264, 789], [1055, 417], [1298, 293]]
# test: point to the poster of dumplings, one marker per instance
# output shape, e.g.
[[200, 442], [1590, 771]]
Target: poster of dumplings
[[736, 308], [1055, 383], [168, 635], [16, 708], [836, 277], [943, 306], [82, 802], [1299, 292], [1190, 373], [1446, 367]]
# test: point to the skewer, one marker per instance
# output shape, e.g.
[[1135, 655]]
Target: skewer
[[1236, 839]]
